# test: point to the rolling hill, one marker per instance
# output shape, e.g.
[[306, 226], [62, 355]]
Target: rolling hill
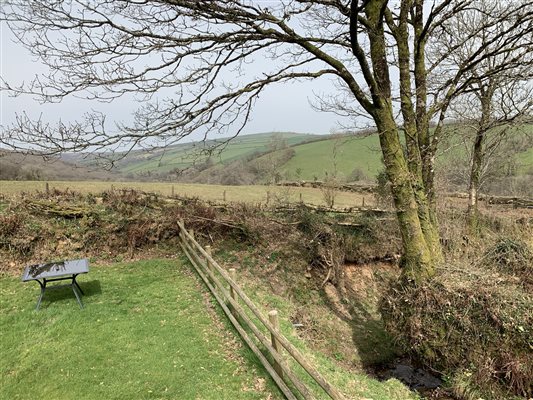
[[340, 154], [181, 156], [14, 166], [262, 158]]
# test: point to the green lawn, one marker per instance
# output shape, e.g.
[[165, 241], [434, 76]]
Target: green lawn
[[145, 333], [148, 331]]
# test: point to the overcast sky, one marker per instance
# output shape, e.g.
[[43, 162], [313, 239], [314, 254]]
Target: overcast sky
[[280, 108]]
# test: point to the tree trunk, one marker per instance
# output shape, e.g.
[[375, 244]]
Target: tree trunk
[[473, 187], [485, 97], [416, 136], [418, 263], [405, 175]]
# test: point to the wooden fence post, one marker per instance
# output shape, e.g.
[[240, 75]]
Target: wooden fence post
[[172, 190], [268, 197], [233, 276], [363, 201], [224, 196], [273, 318], [207, 262], [301, 198], [47, 188], [181, 236]]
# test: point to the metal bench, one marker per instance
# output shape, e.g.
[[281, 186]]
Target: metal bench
[[54, 272]]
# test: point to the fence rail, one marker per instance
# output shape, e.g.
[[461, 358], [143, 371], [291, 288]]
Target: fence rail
[[232, 299]]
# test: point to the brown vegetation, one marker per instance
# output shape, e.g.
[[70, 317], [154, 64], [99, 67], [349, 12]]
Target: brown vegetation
[[17, 166], [473, 326]]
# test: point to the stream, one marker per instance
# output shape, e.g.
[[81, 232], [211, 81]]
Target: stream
[[423, 381]]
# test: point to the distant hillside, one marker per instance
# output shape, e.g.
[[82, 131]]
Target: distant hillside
[[347, 157], [181, 156], [14, 166], [358, 158], [276, 156]]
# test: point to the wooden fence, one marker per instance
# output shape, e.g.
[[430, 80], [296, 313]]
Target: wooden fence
[[232, 299]]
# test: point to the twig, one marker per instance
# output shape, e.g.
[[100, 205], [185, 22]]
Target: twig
[[327, 277], [218, 222]]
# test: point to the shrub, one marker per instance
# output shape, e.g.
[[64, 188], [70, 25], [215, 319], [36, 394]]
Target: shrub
[[473, 325], [357, 175], [511, 256], [10, 224], [329, 191]]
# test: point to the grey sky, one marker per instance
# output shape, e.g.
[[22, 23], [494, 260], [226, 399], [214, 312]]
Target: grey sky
[[280, 108]]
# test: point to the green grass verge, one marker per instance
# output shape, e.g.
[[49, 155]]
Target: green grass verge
[[145, 333], [355, 384]]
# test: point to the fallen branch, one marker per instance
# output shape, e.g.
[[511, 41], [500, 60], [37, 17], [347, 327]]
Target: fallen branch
[[59, 210], [224, 223]]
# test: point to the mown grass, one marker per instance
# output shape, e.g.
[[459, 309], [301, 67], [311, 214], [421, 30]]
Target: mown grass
[[248, 194], [145, 333]]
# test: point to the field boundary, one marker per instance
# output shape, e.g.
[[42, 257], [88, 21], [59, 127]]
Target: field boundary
[[232, 298]]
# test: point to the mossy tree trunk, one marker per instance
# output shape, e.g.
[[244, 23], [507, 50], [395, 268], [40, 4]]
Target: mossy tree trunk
[[419, 234], [418, 263], [416, 126]]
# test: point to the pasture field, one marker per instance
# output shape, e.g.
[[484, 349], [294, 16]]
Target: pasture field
[[342, 154], [525, 160], [184, 155], [145, 333], [248, 194], [313, 155]]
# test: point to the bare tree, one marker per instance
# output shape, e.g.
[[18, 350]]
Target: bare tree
[[499, 94], [196, 53], [490, 115], [275, 158]]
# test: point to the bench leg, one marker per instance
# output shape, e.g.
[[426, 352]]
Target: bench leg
[[76, 283], [75, 290], [43, 288]]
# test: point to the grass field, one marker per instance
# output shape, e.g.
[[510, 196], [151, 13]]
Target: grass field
[[145, 333], [182, 156], [311, 160], [250, 194], [525, 160], [348, 153]]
